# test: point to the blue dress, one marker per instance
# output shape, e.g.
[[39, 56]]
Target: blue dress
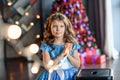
[[67, 71]]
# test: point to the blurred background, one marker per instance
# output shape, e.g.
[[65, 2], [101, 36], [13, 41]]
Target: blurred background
[[96, 23]]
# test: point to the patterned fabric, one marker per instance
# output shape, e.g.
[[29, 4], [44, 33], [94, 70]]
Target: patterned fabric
[[67, 71]]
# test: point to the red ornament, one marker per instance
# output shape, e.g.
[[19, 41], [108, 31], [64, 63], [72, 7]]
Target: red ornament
[[94, 40], [95, 46]]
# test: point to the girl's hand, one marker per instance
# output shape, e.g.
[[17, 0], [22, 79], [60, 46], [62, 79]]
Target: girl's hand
[[69, 46], [67, 49]]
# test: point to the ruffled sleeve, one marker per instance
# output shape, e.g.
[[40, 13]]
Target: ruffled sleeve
[[76, 46], [45, 47]]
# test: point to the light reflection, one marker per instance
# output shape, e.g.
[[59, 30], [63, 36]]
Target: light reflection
[[11, 76], [21, 67]]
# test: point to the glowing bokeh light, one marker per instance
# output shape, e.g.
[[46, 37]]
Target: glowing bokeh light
[[34, 48], [34, 70], [14, 32]]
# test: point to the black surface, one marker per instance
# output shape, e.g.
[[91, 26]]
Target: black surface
[[94, 74]]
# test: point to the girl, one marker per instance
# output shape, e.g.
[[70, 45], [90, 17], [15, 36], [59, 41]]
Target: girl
[[59, 49]]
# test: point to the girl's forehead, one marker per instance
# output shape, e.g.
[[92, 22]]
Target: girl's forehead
[[57, 21]]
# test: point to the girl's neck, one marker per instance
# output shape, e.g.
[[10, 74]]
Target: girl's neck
[[59, 41]]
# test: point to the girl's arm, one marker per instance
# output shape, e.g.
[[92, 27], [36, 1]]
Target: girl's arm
[[46, 59], [75, 60]]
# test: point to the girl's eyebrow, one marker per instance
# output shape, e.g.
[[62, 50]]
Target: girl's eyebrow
[[54, 25]]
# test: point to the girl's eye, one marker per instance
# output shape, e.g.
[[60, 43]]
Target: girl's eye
[[61, 26], [54, 26]]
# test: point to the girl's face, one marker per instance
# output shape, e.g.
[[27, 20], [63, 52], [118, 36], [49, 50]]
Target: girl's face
[[58, 29]]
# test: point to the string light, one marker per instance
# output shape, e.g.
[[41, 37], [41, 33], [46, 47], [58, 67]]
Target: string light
[[17, 22], [35, 67], [10, 31], [14, 32], [34, 70], [38, 16], [9, 3], [26, 13], [31, 23], [37, 36], [33, 48], [20, 52], [30, 50]]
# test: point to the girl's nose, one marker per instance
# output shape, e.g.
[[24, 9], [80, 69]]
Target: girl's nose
[[58, 28]]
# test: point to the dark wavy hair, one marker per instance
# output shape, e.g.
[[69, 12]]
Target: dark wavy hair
[[69, 35]]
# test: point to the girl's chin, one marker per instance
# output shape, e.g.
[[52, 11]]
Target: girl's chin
[[59, 36]]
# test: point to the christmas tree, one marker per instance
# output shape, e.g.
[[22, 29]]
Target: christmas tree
[[75, 11]]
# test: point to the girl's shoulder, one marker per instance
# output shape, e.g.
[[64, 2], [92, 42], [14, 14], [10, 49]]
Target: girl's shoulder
[[76, 45], [44, 46]]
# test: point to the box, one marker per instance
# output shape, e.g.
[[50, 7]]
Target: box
[[100, 59], [94, 74], [93, 59]]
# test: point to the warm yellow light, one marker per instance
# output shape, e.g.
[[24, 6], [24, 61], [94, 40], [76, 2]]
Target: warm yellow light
[[30, 50], [37, 36], [26, 13], [38, 16], [34, 70], [9, 3], [34, 48], [17, 22], [31, 23], [14, 32], [35, 67], [20, 52]]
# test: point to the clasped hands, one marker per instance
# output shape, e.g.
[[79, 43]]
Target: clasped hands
[[67, 49], [65, 52]]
